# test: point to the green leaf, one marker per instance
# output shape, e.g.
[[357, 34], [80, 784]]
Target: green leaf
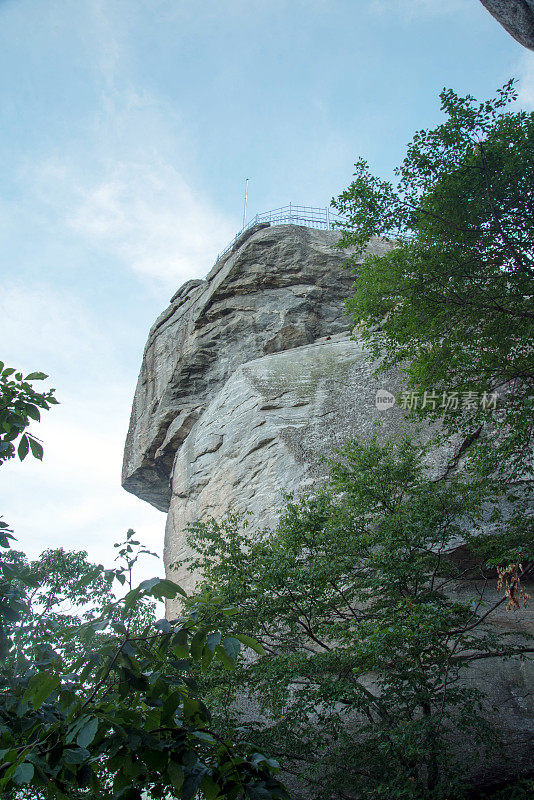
[[76, 756], [191, 785], [40, 687], [248, 641], [131, 599], [33, 412], [190, 707], [213, 640], [129, 649], [160, 587], [9, 613], [23, 448], [176, 775], [88, 578], [224, 658], [87, 733], [23, 774], [147, 586], [35, 376], [209, 788], [207, 658], [168, 589], [197, 643], [204, 737], [36, 448], [232, 646]]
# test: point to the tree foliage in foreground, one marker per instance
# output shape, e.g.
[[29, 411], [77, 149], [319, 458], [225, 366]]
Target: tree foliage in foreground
[[121, 715], [452, 303], [19, 405], [368, 624], [98, 700]]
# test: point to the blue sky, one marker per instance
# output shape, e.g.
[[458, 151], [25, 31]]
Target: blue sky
[[127, 129]]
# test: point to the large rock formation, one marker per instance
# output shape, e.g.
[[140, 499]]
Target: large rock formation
[[516, 17], [247, 378], [264, 432], [278, 288]]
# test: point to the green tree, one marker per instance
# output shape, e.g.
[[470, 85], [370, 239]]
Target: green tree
[[451, 303], [19, 405], [368, 624], [97, 699], [119, 715], [57, 592]]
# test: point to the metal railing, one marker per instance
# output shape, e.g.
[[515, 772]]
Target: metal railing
[[292, 214]]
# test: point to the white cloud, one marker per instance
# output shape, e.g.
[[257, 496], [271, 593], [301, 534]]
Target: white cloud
[[526, 81], [110, 49], [53, 330], [125, 184], [148, 216], [132, 195], [129, 192]]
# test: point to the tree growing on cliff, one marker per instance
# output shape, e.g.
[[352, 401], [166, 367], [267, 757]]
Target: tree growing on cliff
[[368, 624], [452, 302], [97, 700]]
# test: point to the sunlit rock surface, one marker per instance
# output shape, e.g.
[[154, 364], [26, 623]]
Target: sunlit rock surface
[[264, 433]]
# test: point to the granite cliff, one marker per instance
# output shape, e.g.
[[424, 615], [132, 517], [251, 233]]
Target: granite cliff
[[277, 289], [247, 378], [250, 375]]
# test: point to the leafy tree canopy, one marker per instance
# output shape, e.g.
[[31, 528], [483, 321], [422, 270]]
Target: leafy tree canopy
[[97, 698], [369, 623], [107, 707], [452, 302]]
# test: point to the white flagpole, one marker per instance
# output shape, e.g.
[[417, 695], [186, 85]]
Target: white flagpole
[[245, 207]]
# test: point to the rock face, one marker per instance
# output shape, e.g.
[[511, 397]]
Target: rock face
[[279, 288], [516, 17], [264, 431], [247, 378]]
